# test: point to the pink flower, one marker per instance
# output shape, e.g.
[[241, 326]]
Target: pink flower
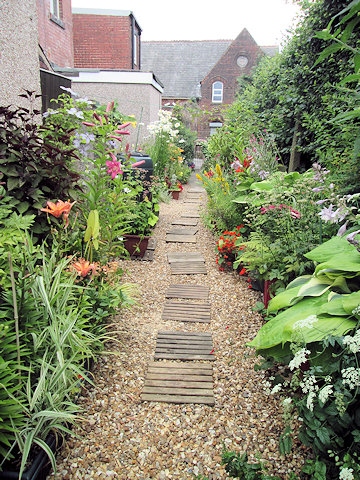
[[113, 166], [116, 137], [294, 213], [110, 106], [137, 164], [88, 124]]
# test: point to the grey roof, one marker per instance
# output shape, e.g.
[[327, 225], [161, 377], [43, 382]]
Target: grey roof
[[182, 65]]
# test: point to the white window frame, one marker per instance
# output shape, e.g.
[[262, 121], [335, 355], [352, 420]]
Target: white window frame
[[217, 92], [214, 126], [55, 8]]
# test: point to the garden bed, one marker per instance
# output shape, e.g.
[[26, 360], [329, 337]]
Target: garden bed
[[121, 437]]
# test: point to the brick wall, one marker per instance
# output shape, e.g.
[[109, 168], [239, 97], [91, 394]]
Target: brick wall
[[56, 34], [228, 72], [104, 41]]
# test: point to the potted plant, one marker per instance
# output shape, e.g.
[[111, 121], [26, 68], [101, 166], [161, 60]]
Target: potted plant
[[140, 227], [174, 187]]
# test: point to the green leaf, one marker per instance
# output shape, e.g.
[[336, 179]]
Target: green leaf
[[284, 299], [93, 226], [350, 302], [325, 251], [314, 288], [280, 329]]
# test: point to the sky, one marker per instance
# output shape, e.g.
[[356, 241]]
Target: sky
[[266, 20]]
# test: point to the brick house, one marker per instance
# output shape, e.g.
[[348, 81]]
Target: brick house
[[106, 39], [107, 53], [205, 72]]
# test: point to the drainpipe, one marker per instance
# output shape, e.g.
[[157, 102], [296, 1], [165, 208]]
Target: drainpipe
[[132, 41]]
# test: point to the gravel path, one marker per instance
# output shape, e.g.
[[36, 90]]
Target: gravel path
[[124, 438]]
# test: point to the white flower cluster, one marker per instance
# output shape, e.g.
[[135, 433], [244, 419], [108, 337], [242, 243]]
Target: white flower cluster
[[300, 357], [351, 377], [309, 385], [346, 474], [307, 322], [353, 343], [325, 393], [164, 125]]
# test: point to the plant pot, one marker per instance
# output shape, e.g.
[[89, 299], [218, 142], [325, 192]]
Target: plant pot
[[136, 245], [39, 467], [175, 194]]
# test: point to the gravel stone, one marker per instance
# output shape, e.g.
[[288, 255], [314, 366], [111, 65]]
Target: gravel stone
[[121, 437]]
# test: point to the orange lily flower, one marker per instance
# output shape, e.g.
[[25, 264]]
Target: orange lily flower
[[59, 208], [84, 267]]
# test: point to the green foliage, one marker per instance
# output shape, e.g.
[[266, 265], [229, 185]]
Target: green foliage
[[33, 168], [237, 465], [326, 299]]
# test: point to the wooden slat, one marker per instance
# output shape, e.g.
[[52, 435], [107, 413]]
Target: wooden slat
[[190, 382], [190, 215], [185, 257], [187, 221], [177, 384], [182, 231], [188, 268], [184, 346], [180, 238], [196, 190], [178, 391], [177, 335], [186, 312], [188, 291], [198, 367], [149, 397]]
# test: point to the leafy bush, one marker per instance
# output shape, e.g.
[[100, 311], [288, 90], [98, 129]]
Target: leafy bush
[[33, 168]]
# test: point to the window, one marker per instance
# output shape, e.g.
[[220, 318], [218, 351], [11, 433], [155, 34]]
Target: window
[[214, 127], [217, 92], [55, 8]]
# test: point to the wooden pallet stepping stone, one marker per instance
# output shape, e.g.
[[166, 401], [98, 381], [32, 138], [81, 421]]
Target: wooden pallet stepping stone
[[190, 215], [186, 221], [199, 292], [183, 231], [188, 382], [196, 190], [185, 257], [188, 268], [184, 346], [180, 238], [198, 195], [186, 312]]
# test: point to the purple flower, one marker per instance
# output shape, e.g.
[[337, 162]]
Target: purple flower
[[351, 238]]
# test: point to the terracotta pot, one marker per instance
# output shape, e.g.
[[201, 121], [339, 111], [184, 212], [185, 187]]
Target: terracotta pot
[[136, 245], [175, 194]]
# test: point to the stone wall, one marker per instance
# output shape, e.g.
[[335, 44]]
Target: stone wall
[[19, 64]]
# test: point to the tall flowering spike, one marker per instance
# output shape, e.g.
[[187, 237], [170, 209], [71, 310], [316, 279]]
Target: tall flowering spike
[[110, 106], [137, 164], [98, 118]]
